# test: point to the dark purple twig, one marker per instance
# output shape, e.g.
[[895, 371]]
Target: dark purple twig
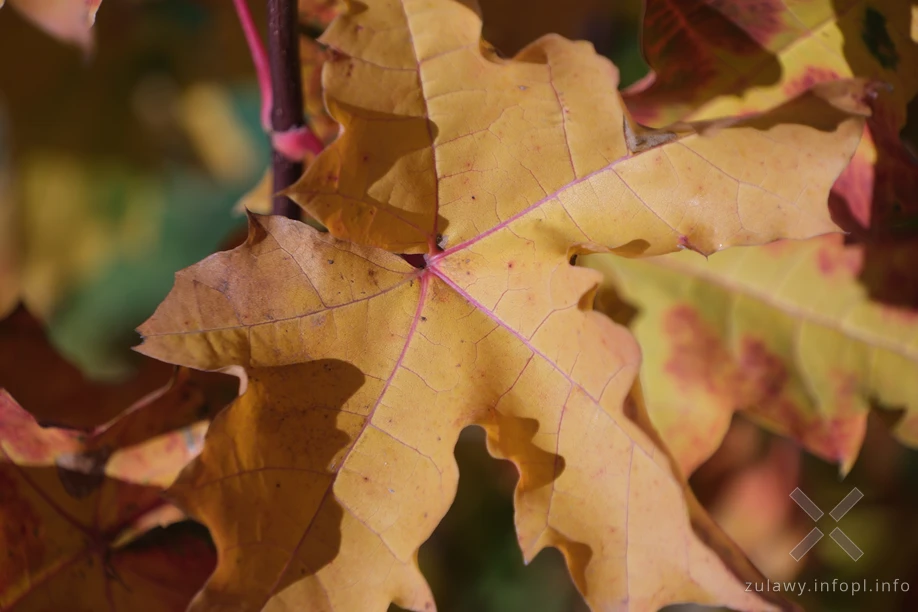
[[287, 95]]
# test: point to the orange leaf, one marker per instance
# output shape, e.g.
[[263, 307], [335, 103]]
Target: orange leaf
[[28, 361], [70, 526]]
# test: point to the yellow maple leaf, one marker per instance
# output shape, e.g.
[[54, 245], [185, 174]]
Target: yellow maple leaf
[[322, 481], [784, 332], [445, 142]]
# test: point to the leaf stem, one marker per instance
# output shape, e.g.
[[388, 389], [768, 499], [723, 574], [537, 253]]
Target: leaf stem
[[259, 58], [279, 79]]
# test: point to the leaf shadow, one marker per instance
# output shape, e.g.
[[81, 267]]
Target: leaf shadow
[[385, 140], [809, 109], [512, 437], [300, 434]]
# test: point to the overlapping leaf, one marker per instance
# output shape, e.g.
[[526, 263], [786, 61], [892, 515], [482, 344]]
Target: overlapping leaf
[[443, 141], [716, 58], [68, 20], [74, 506], [784, 332], [754, 508], [28, 361], [711, 59]]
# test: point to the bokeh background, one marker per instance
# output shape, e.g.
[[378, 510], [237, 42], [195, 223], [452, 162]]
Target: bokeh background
[[119, 167]]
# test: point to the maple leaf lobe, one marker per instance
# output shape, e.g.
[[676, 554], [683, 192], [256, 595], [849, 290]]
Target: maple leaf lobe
[[474, 153]]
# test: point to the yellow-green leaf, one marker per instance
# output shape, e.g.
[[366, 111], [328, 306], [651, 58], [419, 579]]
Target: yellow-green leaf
[[784, 332]]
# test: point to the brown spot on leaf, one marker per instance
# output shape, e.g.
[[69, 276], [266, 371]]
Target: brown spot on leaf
[[810, 76], [835, 259], [697, 355], [698, 359], [762, 375]]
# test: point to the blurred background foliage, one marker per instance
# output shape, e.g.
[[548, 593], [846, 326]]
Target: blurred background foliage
[[119, 168], [124, 164]]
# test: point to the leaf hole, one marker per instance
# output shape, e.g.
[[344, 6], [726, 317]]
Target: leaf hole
[[476, 542]]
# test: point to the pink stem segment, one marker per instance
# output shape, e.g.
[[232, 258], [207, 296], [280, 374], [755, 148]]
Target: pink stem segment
[[259, 58], [296, 142], [278, 72]]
